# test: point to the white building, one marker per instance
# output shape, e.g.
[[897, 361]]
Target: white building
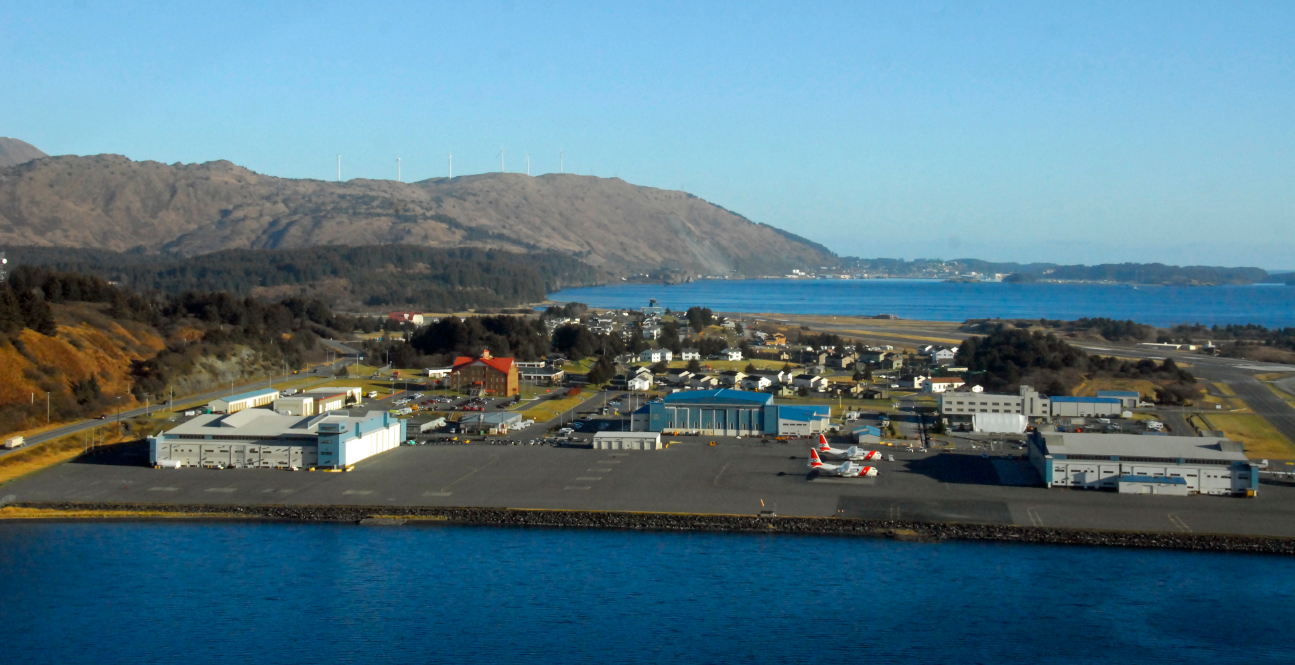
[[260, 438], [690, 354], [959, 405], [1129, 463], [295, 405], [941, 384], [656, 355], [640, 382], [756, 383], [809, 381], [351, 394], [731, 354], [627, 441], [248, 400]]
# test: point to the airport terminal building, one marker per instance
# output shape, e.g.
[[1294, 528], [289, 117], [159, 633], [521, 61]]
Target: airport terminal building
[[728, 412], [1129, 463], [260, 438]]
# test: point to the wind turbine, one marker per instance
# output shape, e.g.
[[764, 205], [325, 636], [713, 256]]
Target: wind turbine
[[339, 168], [562, 161], [398, 179], [503, 168], [451, 165]]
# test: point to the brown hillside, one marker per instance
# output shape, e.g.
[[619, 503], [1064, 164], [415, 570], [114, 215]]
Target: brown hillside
[[14, 152], [112, 202]]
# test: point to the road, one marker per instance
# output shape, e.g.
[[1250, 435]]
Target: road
[[116, 418]]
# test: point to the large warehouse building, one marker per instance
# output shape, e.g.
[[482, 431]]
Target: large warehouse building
[[1143, 464], [727, 412], [260, 438], [248, 400]]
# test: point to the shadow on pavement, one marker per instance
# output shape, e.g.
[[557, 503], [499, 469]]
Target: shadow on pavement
[[956, 469], [128, 453]]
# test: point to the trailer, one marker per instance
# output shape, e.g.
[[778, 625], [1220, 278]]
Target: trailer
[[14, 442]]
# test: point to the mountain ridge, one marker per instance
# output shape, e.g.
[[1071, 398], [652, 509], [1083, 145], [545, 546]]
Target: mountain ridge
[[14, 152], [111, 202]]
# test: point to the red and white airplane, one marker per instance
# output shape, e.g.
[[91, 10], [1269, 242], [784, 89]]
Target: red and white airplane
[[846, 469], [853, 453]]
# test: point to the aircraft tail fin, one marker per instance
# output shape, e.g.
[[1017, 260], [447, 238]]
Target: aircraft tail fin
[[814, 461]]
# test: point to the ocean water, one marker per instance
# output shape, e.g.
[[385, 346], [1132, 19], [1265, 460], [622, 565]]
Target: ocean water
[[932, 300], [197, 593]]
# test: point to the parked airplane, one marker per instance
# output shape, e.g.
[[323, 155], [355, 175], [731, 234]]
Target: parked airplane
[[853, 453], [846, 469]]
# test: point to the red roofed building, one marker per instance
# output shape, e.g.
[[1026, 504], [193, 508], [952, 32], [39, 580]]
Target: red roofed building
[[486, 375]]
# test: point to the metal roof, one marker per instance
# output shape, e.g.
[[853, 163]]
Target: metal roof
[[255, 424], [1134, 445], [1091, 400], [803, 412], [723, 396], [247, 395]]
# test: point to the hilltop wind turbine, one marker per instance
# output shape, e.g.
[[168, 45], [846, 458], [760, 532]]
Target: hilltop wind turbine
[[503, 168], [398, 179], [451, 165]]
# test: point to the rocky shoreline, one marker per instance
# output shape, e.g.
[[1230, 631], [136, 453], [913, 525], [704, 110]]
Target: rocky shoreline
[[575, 519]]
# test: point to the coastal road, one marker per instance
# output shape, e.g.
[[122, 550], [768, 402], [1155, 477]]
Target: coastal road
[[116, 418]]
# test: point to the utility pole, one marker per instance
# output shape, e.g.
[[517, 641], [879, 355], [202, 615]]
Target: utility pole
[[339, 168], [46, 407], [451, 165]]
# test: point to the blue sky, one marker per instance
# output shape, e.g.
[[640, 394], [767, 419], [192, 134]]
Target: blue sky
[[1074, 133]]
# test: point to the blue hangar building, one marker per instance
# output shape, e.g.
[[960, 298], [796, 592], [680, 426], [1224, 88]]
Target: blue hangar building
[[734, 413]]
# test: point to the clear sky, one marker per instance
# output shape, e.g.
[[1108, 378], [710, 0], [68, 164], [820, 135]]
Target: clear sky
[[1034, 131]]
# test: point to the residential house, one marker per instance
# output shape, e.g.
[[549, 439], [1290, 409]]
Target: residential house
[[406, 317], [943, 356], [656, 355], [651, 331], [731, 378], [914, 382], [678, 377], [941, 384], [756, 383], [641, 382], [731, 354], [778, 339], [703, 382], [873, 356], [809, 381], [689, 354], [891, 363], [842, 360]]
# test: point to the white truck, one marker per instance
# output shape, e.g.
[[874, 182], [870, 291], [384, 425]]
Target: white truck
[[14, 442]]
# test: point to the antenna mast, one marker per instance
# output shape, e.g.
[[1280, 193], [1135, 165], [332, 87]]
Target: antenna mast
[[451, 165], [339, 168], [398, 179], [562, 161], [503, 168]]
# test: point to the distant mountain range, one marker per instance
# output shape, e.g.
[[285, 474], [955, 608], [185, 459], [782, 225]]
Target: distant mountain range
[[14, 152], [111, 202]]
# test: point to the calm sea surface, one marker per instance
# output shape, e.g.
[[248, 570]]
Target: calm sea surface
[[197, 593], [932, 300]]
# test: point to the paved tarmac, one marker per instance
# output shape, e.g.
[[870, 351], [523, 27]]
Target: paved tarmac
[[690, 477]]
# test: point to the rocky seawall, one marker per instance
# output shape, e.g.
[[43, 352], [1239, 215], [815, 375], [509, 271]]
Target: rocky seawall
[[810, 526]]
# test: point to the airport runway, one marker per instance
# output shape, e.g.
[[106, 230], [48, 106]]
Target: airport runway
[[689, 478]]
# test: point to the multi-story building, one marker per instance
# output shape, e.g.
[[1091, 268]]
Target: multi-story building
[[485, 375], [1133, 464]]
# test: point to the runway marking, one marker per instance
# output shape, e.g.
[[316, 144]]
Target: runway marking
[[600, 470], [437, 493], [1034, 517], [446, 488], [221, 489], [163, 489], [575, 487], [1178, 522], [721, 472], [893, 511], [589, 478], [358, 492]]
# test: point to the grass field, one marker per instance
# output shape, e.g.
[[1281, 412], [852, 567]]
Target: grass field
[[549, 409], [1261, 439]]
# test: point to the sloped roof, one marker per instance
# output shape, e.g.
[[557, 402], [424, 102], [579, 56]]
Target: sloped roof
[[504, 365], [721, 396]]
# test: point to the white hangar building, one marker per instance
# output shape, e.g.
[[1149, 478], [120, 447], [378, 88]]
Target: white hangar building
[[1129, 463], [260, 438]]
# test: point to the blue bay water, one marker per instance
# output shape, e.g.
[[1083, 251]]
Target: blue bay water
[[198, 593], [932, 300]]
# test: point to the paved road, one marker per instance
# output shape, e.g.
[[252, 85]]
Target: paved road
[[115, 418]]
